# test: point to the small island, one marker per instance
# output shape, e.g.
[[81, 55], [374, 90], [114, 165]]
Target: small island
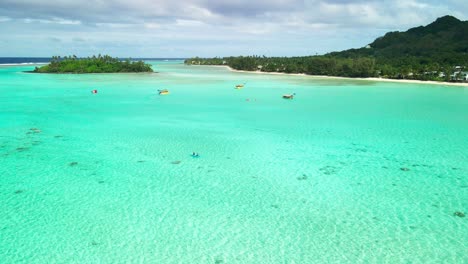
[[95, 64]]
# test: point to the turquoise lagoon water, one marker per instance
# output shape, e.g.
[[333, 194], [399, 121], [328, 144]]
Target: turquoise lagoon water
[[347, 172]]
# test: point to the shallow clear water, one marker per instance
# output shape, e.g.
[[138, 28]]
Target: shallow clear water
[[108, 177]]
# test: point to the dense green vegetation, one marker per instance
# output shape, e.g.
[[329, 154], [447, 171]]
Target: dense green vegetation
[[99, 64], [423, 53]]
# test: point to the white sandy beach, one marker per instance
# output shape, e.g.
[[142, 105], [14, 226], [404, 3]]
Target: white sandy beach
[[346, 78]]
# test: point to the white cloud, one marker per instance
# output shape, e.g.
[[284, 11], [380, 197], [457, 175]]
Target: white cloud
[[114, 25], [4, 19], [152, 25], [287, 27], [347, 13], [54, 20], [188, 23]]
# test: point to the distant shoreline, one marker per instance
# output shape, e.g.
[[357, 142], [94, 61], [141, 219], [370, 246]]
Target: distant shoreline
[[79, 73], [6, 65], [343, 78], [23, 64]]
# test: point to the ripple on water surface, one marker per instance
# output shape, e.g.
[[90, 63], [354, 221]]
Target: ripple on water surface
[[343, 173]]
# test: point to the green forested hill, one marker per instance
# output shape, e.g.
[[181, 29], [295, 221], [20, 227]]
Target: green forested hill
[[427, 53], [444, 40], [446, 34]]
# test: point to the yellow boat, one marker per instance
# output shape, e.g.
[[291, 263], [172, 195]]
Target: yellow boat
[[163, 92]]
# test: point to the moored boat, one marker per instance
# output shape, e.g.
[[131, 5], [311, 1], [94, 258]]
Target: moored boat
[[239, 86], [288, 96], [163, 92]]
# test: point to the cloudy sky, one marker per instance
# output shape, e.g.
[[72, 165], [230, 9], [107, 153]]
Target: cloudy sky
[[184, 28]]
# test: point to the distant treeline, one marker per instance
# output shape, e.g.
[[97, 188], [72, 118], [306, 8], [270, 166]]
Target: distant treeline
[[333, 65], [95, 64], [438, 51], [314, 65]]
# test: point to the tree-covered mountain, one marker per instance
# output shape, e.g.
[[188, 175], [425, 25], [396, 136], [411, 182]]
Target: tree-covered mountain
[[445, 40], [427, 53]]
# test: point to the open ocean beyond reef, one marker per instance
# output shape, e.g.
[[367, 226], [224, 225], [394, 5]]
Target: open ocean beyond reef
[[347, 172]]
